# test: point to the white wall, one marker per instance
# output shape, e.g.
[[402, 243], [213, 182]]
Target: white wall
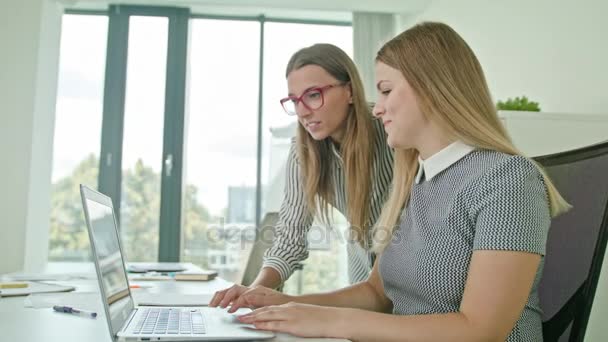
[[29, 32], [554, 52], [269, 6]]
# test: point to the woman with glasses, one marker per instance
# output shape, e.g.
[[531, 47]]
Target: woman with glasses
[[462, 236], [339, 158]]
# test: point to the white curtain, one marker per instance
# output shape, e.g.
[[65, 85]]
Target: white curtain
[[370, 32]]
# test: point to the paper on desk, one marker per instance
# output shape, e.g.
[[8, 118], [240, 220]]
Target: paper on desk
[[35, 287], [149, 276], [83, 300], [47, 276], [170, 299], [91, 300]]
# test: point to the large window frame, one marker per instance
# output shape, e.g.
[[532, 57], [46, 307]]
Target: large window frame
[[110, 168]]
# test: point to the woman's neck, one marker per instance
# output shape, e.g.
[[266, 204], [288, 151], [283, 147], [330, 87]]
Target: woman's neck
[[433, 142], [337, 136]]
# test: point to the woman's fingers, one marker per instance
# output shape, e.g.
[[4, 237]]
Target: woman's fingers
[[238, 296], [257, 297], [278, 326], [242, 301], [270, 313], [239, 303], [224, 297], [217, 297], [230, 295]]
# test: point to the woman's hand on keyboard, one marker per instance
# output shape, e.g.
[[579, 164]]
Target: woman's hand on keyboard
[[224, 297], [249, 297]]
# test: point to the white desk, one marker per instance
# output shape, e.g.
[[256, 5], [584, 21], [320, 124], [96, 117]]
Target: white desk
[[18, 323]]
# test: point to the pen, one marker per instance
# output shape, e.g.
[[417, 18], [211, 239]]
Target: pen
[[13, 285], [74, 311]]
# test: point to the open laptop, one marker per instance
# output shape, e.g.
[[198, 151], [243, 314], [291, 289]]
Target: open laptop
[[128, 322]]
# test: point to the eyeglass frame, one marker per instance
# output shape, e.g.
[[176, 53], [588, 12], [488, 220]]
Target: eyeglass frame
[[298, 99]]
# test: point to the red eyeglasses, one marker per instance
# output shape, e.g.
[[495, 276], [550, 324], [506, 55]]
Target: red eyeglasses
[[312, 99]]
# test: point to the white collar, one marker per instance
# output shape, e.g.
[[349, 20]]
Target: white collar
[[441, 160]]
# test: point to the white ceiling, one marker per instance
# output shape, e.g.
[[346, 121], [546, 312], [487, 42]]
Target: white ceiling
[[320, 9]]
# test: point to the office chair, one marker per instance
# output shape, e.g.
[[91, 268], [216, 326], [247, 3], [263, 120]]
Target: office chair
[[576, 241]]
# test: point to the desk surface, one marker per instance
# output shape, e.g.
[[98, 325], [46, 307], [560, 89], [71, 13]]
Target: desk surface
[[18, 323]]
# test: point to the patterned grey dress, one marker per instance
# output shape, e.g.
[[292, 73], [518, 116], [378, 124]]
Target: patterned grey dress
[[485, 200]]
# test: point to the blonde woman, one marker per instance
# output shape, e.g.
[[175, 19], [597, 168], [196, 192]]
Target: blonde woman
[[339, 158], [463, 233]]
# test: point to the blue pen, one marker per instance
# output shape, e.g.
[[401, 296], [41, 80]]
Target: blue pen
[[74, 311]]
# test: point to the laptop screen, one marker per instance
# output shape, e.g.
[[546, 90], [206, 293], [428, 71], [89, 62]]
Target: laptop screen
[[109, 263]]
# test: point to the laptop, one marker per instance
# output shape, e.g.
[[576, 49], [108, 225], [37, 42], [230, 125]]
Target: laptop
[[128, 322]]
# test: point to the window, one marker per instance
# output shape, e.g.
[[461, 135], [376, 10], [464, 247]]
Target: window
[[222, 167], [77, 137], [221, 143], [143, 137]]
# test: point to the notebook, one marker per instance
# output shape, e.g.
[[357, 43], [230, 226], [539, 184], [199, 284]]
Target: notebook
[[125, 320], [143, 267], [196, 275]]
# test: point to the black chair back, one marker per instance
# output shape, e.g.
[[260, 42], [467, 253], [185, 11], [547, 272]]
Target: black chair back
[[576, 241]]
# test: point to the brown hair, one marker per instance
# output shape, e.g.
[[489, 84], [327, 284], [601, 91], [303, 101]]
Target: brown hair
[[451, 90], [356, 147]]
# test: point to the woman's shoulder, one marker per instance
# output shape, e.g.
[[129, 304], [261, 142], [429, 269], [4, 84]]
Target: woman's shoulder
[[495, 166], [492, 160], [292, 155]]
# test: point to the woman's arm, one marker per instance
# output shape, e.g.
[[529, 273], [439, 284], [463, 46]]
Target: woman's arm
[[497, 288], [367, 295], [289, 244], [268, 277]]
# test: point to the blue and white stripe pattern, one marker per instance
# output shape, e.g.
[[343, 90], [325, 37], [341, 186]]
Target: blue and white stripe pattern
[[290, 244]]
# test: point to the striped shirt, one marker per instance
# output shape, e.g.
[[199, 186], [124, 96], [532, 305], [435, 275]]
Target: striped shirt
[[290, 244], [465, 201]]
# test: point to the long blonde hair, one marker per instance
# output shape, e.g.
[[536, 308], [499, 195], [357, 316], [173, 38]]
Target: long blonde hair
[[451, 90], [356, 147]]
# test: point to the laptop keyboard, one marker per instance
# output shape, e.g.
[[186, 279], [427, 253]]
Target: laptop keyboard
[[170, 321]]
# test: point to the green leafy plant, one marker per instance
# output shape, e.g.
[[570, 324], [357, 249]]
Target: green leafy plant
[[518, 103]]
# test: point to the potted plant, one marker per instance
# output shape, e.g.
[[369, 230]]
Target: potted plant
[[518, 104]]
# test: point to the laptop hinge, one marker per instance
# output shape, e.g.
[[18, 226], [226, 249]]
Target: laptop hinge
[[128, 322]]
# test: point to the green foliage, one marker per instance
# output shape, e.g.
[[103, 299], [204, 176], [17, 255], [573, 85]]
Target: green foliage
[[68, 235], [139, 212], [518, 103], [140, 220], [139, 215]]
